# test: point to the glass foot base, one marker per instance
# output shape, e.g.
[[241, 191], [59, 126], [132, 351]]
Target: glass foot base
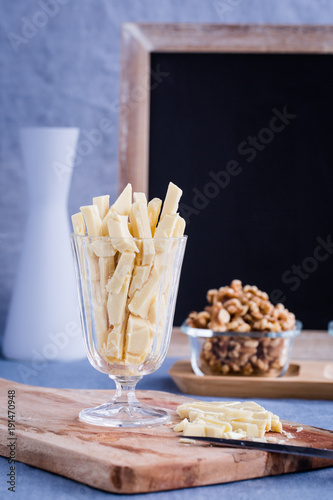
[[124, 415]]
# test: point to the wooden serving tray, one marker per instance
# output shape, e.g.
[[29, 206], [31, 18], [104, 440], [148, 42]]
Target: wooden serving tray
[[50, 436], [303, 380]]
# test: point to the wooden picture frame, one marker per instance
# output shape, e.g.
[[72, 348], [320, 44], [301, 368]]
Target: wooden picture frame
[[139, 41]]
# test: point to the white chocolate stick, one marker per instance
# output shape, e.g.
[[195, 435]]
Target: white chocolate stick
[[140, 276], [102, 248], [139, 220], [154, 208], [156, 316], [98, 296], [142, 299], [123, 203], [79, 226], [117, 304], [171, 202], [118, 230], [141, 229], [166, 226], [114, 346], [106, 270], [121, 206], [124, 268], [104, 228], [140, 198], [138, 340], [93, 220], [179, 227], [102, 203], [165, 229]]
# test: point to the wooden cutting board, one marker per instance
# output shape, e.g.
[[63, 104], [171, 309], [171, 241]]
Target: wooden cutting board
[[51, 437]]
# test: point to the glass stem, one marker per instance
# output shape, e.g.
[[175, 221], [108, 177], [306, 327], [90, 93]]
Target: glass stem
[[125, 390]]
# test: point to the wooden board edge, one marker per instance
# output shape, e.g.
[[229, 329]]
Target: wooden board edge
[[134, 109], [139, 40], [124, 480], [245, 38], [264, 387]]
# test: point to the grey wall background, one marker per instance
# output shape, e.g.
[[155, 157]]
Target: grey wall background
[[67, 74]]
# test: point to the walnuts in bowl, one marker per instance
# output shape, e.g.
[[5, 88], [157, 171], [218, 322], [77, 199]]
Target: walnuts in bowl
[[235, 310], [241, 309]]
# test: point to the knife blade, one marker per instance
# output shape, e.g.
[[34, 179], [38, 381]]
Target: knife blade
[[272, 447]]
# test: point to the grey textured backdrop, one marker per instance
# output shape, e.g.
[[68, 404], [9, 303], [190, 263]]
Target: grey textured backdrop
[[65, 72]]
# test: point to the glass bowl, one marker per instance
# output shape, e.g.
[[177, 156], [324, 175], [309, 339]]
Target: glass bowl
[[330, 328], [264, 354], [127, 307]]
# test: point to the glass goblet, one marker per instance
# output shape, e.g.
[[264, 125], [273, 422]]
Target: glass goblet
[[127, 308]]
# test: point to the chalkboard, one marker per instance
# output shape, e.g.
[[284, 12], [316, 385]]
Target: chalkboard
[[248, 137]]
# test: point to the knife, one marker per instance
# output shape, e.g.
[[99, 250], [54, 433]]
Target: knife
[[275, 448]]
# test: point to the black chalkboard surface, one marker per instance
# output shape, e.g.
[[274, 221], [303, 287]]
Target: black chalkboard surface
[[248, 137]]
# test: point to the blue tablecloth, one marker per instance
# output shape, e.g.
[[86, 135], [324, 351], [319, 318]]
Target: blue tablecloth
[[36, 484]]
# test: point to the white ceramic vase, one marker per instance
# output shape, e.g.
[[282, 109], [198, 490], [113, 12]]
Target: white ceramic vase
[[43, 321]]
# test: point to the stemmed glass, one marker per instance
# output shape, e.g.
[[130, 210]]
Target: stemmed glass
[[126, 353]]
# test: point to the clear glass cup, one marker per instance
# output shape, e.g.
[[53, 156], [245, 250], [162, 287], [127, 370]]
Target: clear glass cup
[[125, 345]]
